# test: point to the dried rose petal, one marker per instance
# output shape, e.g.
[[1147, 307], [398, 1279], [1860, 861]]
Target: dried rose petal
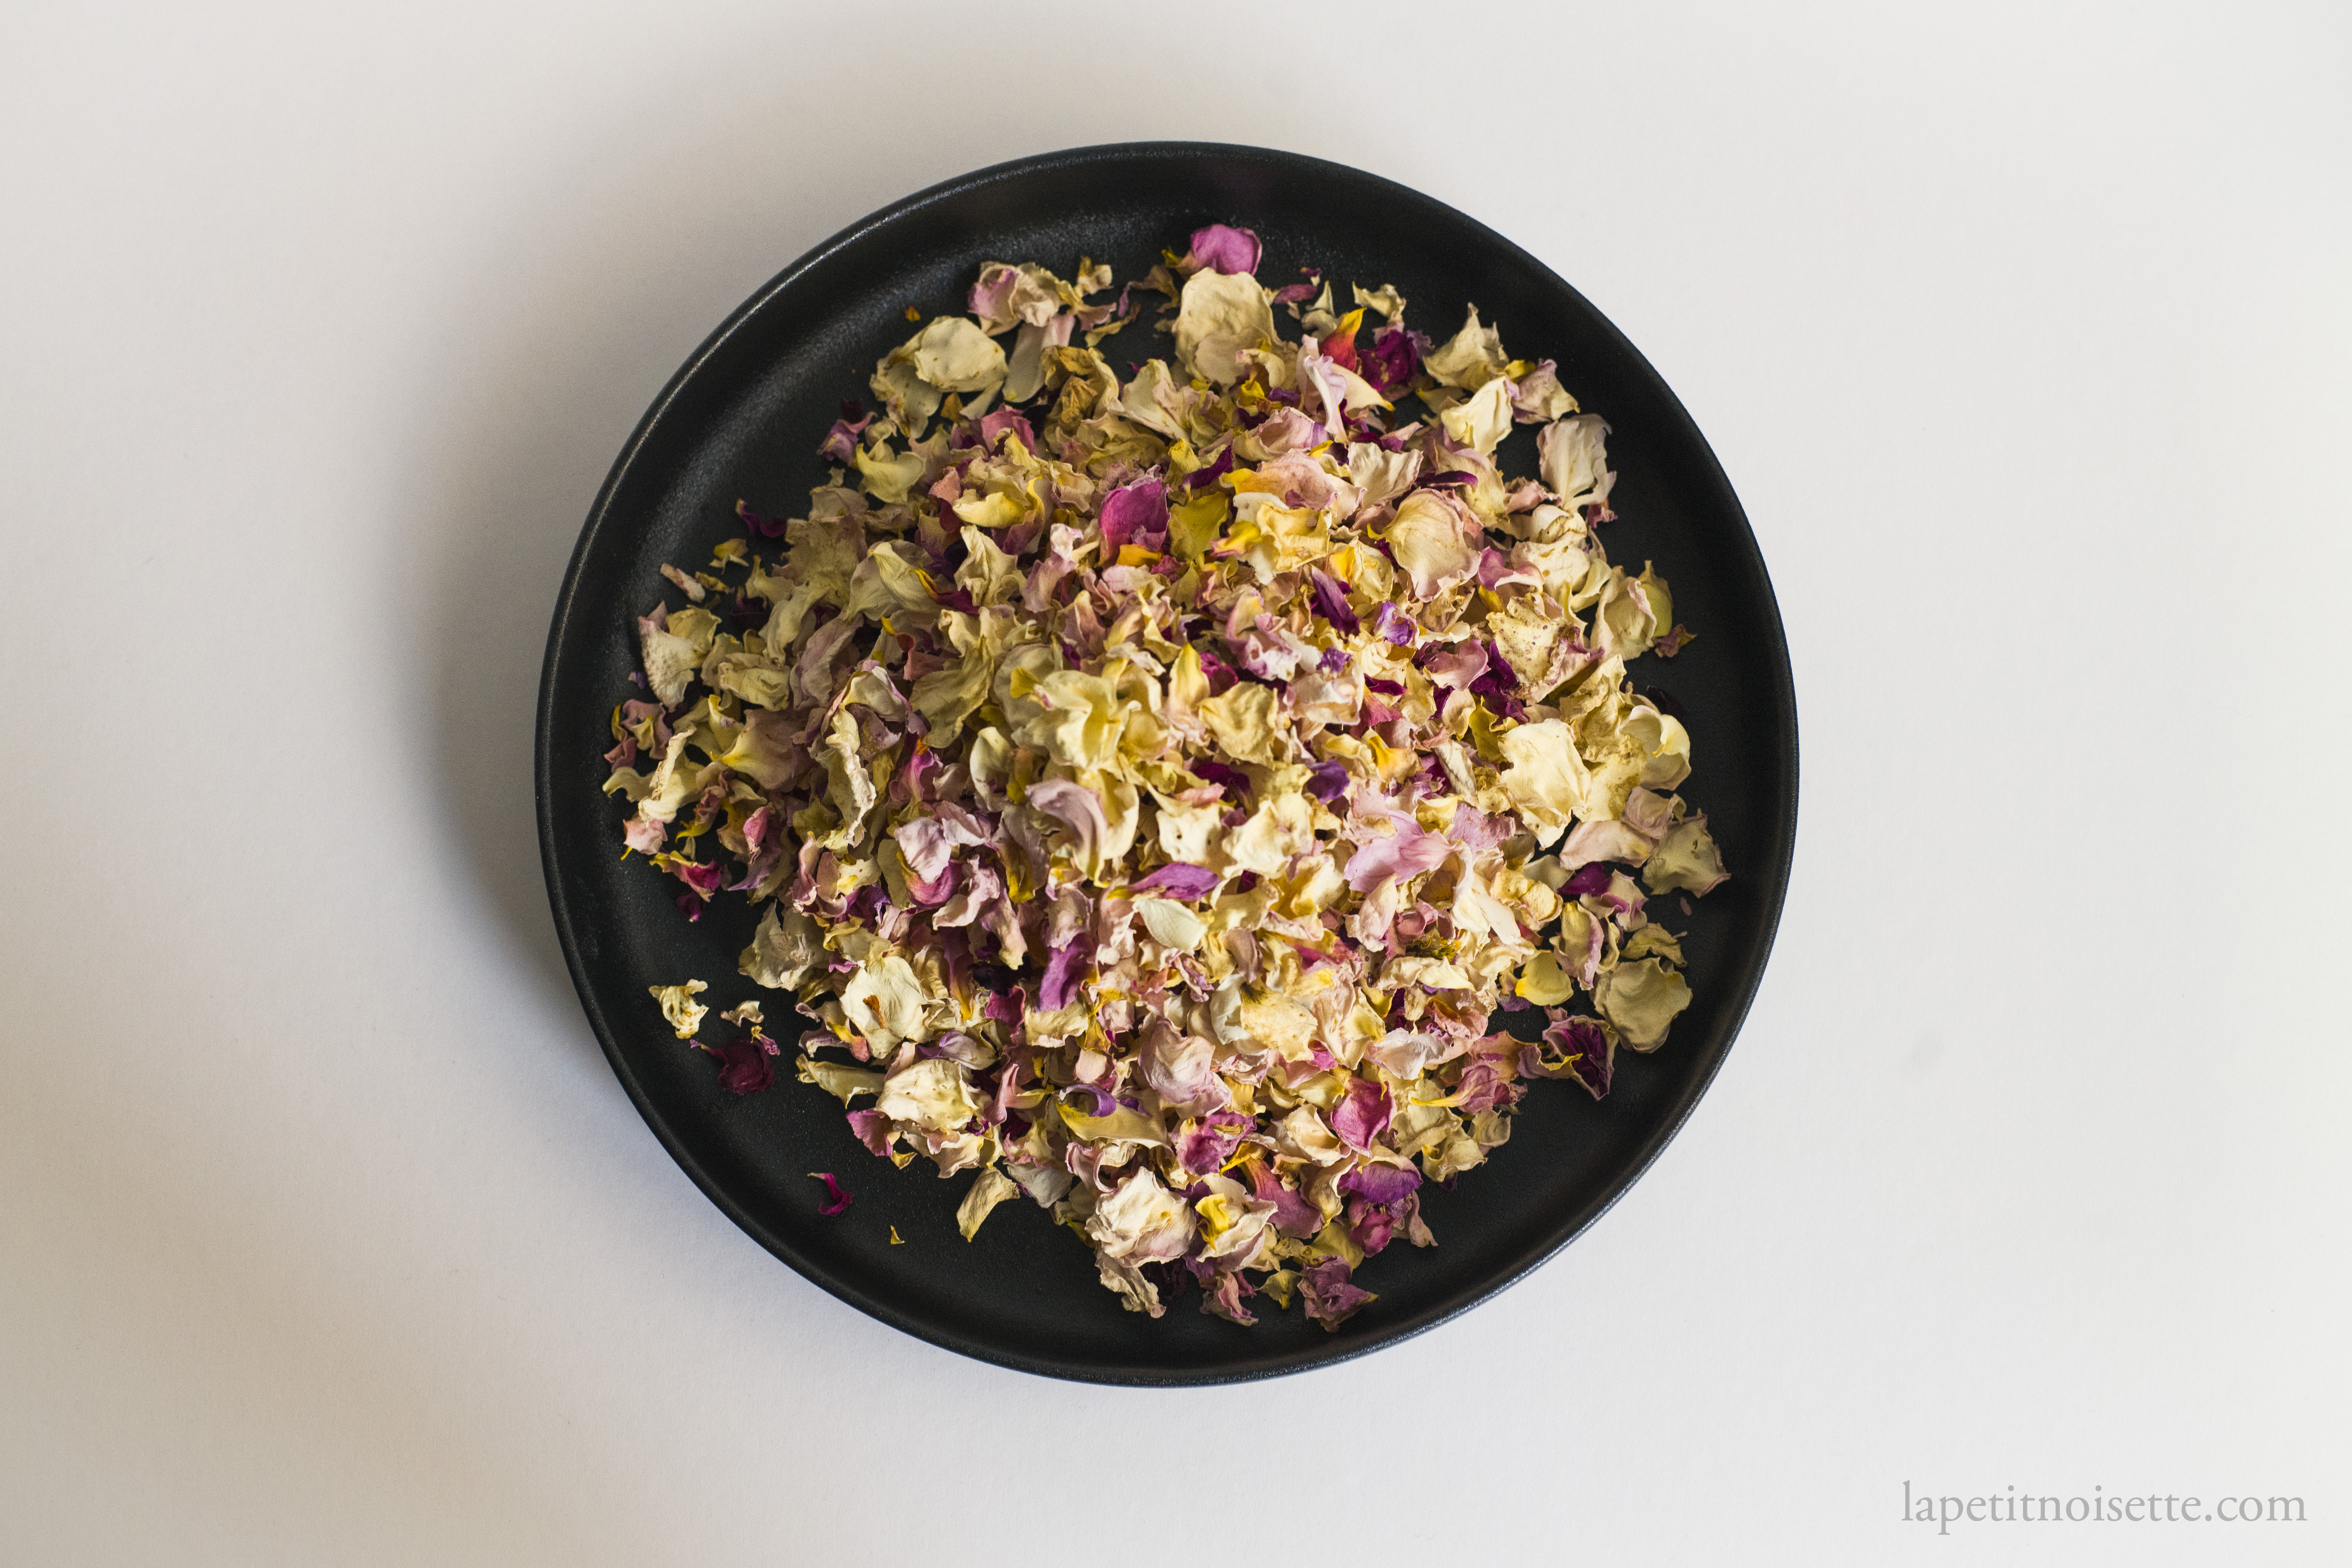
[[837, 1196], [1223, 249], [744, 1068]]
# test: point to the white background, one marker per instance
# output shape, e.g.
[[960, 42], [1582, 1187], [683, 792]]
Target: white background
[[326, 1235]]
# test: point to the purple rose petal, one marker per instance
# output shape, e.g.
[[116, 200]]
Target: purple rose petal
[[1331, 601], [744, 1066], [1223, 249], [1063, 976], [838, 1195], [1332, 1298], [1380, 1184], [1136, 514], [1588, 880], [1363, 1115], [1180, 879]]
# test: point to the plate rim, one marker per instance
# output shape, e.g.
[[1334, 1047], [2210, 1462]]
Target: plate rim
[[1777, 668]]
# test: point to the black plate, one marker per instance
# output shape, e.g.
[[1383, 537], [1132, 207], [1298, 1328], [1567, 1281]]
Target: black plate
[[741, 420]]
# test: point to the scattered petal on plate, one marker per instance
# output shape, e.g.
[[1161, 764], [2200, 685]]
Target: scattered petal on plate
[[684, 1014], [838, 1197]]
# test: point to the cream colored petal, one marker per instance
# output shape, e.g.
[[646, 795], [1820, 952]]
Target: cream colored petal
[[843, 1082], [1172, 925], [992, 1188], [1221, 315], [679, 1006], [1688, 860], [954, 355], [1435, 540], [1484, 419], [1643, 1000], [1471, 358]]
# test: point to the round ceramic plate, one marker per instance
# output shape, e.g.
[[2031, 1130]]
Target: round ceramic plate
[[742, 420]]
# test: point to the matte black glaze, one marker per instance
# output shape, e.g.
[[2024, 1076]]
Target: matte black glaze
[[742, 420]]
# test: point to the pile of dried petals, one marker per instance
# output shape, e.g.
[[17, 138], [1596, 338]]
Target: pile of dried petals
[[1153, 786]]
